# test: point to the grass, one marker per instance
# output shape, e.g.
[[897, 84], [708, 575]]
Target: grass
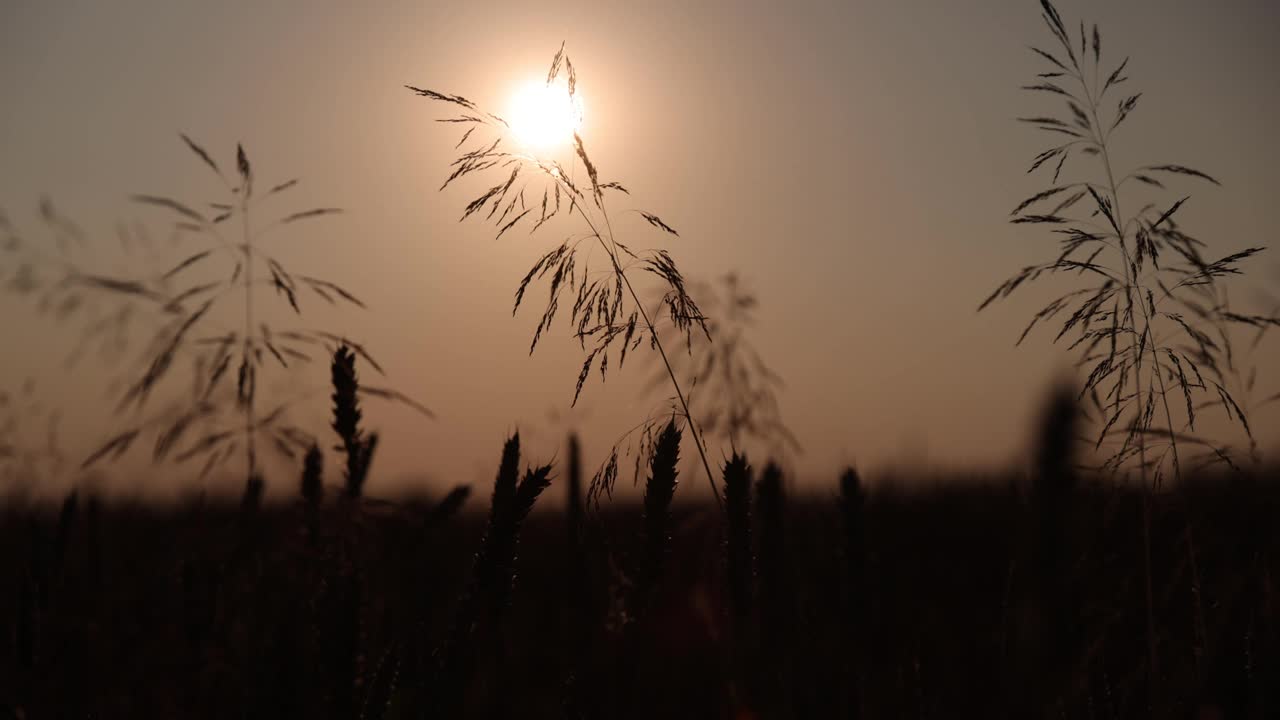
[[221, 620], [228, 260], [1019, 596], [607, 312], [736, 387], [778, 604], [1150, 300], [790, 605], [63, 272], [1147, 315]]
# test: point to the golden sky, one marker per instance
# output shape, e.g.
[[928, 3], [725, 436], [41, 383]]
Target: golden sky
[[855, 162]]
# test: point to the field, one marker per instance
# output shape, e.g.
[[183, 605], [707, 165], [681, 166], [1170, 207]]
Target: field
[[940, 603], [1129, 570]]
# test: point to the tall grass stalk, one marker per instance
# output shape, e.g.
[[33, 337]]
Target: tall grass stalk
[[488, 592], [607, 311], [738, 388], [356, 445], [739, 558], [577, 578], [1053, 497], [852, 503], [658, 494], [228, 412], [1130, 325], [776, 591]]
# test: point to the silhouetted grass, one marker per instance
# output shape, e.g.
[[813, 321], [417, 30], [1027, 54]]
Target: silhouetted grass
[[737, 389], [1149, 300], [217, 633], [1144, 320], [226, 265], [607, 311], [875, 600], [1021, 596]]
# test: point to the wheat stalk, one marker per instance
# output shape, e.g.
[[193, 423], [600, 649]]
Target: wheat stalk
[[492, 576], [659, 491]]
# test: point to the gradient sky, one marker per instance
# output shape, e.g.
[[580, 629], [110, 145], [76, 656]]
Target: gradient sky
[[854, 161]]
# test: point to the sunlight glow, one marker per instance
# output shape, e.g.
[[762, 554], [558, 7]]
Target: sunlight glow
[[543, 116]]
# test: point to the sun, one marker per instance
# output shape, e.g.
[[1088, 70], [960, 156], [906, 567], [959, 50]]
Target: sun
[[544, 117]]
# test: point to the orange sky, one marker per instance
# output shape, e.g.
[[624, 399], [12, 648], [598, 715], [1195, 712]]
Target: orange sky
[[854, 161]]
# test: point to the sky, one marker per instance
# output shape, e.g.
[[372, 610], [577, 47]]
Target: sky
[[854, 162]]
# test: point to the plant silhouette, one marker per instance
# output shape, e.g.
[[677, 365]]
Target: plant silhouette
[[607, 312], [230, 360], [1140, 271]]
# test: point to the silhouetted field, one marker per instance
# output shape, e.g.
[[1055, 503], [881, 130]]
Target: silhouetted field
[[1146, 590], [924, 603]]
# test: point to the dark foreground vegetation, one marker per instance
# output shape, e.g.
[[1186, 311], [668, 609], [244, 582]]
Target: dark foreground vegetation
[[1143, 589], [1006, 598]]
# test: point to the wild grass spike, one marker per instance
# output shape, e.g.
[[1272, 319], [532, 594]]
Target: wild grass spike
[[1141, 321], [606, 311]]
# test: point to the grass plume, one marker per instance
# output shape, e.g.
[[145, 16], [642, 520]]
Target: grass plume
[[1139, 317], [607, 313]]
